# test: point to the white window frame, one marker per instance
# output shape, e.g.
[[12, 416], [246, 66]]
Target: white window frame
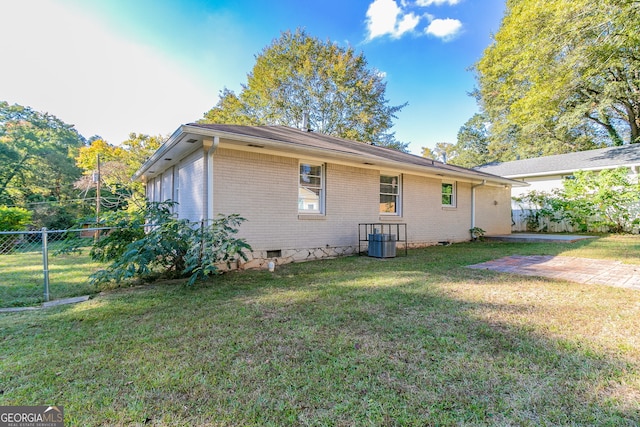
[[453, 194], [321, 197], [398, 195]]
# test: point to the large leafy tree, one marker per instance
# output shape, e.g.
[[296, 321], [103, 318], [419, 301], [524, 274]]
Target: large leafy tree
[[37, 153], [117, 165], [300, 81], [562, 76], [443, 152], [472, 147]]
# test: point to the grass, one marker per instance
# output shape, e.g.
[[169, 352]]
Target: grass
[[22, 277], [417, 340]]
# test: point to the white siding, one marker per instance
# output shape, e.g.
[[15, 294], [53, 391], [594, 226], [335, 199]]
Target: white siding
[[167, 185], [153, 189], [157, 191], [149, 189], [543, 183], [190, 187]]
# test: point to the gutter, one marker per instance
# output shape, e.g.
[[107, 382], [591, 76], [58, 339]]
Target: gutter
[[212, 147]]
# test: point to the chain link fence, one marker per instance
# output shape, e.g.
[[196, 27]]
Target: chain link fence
[[41, 265]]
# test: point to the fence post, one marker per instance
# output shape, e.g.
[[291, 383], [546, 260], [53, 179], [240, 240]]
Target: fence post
[[45, 263]]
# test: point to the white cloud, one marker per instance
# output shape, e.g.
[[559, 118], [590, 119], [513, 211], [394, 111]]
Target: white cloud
[[406, 23], [445, 29], [68, 64], [386, 17], [424, 3]]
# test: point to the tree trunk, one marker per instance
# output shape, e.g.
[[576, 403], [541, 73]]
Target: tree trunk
[[634, 124]]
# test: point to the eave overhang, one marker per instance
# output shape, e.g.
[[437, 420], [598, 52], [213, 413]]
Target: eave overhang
[[188, 138]]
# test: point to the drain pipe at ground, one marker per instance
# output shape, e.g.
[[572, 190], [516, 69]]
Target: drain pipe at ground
[[473, 202]]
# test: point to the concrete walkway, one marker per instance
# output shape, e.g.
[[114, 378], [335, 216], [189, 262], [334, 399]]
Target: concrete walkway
[[53, 303], [581, 270], [538, 237]]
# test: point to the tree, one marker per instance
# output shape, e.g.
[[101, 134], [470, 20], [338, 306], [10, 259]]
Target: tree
[[428, 153], [37, 153], [117, 165], [444, 152], [573, 85], [87, 157], [302, 82], [138, 148], [12, 219], [472, 147]]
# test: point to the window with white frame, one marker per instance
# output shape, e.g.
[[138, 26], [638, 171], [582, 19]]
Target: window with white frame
[[390, 194], [449, 194], [311, 188]]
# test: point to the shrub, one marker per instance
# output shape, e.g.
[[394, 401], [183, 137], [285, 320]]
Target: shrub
[[606, 198], [477, 233], [12, 219], [590, 201], [126, 228], [169, 248]]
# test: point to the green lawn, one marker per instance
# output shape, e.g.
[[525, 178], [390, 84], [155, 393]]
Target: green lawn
[[417, 340], [22, 278]]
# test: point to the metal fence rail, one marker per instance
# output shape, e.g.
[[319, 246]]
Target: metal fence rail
[[39, 265], [33, 263]]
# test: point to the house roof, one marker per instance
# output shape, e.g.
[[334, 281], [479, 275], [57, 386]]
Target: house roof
[[603, 158], [282, 140]]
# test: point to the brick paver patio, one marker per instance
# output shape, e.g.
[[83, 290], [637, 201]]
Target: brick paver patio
[[581, 270]]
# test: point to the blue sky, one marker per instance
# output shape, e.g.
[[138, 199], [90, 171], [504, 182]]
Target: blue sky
[[117, 66]]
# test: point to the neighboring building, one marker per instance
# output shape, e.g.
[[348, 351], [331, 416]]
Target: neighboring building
[[304, 194], [549, 172]]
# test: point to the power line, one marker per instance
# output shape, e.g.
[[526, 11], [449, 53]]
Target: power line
[[88, 200]]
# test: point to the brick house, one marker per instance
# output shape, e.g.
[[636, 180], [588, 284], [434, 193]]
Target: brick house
[[304, 194]]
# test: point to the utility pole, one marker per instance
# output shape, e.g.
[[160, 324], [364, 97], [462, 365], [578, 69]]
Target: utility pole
[[97, 178]]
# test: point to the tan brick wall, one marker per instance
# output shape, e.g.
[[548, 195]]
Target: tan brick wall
[[428, 221], [264, 189], [493, 209]]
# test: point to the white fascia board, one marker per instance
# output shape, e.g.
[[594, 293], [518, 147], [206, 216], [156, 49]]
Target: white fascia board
[[569, 171], [159, 154]]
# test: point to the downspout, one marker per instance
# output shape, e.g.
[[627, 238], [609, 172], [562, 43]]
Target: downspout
[[212, 146], [473, 202]]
